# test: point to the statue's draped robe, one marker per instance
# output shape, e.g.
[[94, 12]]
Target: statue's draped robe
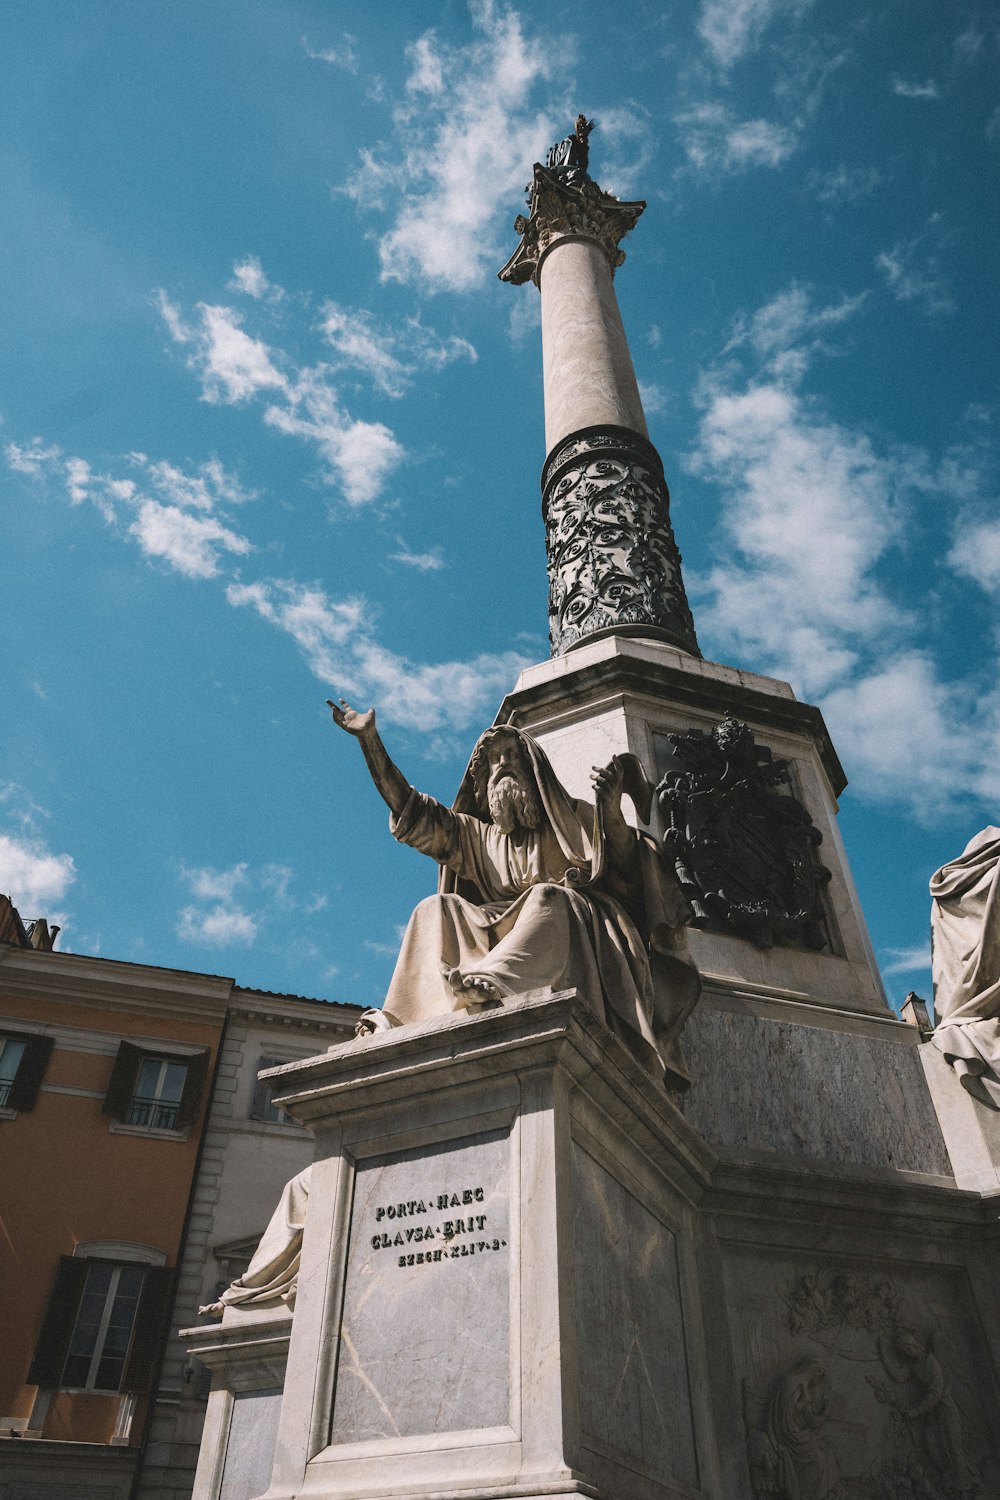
[[273, 1273], [545, 908], [965, 941]]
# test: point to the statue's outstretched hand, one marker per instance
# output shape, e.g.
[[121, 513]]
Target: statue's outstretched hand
[[348, 718], [608, 783]]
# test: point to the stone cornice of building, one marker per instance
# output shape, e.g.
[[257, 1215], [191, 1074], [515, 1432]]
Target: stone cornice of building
[[301, 1011], [559, 213], [645, 671], [113, 984]]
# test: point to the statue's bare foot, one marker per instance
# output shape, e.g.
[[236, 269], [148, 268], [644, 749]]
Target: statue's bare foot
[[489, 996], [372, 1021]]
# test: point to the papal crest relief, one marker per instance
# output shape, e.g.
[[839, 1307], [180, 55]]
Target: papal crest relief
[[743, 845]]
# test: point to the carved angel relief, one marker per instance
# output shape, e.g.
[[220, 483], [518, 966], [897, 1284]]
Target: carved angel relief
[[743, 845]]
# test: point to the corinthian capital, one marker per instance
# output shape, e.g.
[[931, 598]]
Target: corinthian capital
[[562, 211]]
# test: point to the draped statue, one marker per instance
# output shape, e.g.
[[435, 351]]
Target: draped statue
[[965, 947], [537, 889]]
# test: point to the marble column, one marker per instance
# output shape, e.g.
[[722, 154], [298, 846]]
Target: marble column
[[613, 564]]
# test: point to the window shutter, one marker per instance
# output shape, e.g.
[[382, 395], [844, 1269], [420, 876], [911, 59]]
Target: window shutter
[[193, 1085], [123, 1080], [24, 1089], [53, 1341], [150, 1318]]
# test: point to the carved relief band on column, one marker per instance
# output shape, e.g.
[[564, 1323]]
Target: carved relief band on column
[[612, 560]]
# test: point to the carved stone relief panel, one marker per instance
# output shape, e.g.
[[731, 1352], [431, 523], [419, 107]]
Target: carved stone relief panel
[[425, 1334], [612, 558], [861, 1382]]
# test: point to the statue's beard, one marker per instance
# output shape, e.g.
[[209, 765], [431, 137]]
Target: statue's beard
[[513, 804]]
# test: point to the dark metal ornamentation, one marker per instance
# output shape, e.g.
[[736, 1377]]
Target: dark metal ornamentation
[[742, 844], [612, 559]]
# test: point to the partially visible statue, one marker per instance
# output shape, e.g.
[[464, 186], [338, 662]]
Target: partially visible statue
[[568, 159], [273, 1272], [789, 1460], [965, 947], [743, 845], [919, 1393], [537, 890]]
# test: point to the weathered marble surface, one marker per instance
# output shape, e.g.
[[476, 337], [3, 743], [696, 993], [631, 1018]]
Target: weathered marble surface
[[833, 1095], [425, 1338], [250, 1450], [589, 378], [635, 1391]]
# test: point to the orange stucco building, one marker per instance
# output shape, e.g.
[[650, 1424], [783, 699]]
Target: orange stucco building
[[105, 1077]]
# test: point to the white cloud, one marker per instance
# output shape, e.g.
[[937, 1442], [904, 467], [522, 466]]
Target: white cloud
[[810, 510], [912, 269], [32, 876], [190, 544], [33, 458], [360, 455], [342, 56], [389, 358], [217, 927], [457, 158], [715, 141], [235, 367], [653, 397], [732, 28], [843, 184], [224, 922], [907, 960], [975, 551], [905, 90], [249, 278], [424, 562], [336, 639], [216, 885]]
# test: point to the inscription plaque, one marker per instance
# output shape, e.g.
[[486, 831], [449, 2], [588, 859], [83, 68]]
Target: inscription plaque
[[425, 1334]]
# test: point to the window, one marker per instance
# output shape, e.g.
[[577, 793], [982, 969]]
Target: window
[[155, 1090], [263, 1106], [103, 1326], [95, 1360], [23, 1060], [157, 1095], [11, 1053]]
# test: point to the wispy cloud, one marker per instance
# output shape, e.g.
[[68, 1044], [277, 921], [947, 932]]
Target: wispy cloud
[[389, 357], [811, 508], [456, 159], [218, 920], [248, 278], [234, 368], [975, 551], [731, 29], [341, 55], [907, 960], [907, 90], [33, 877], [337, 640], [184, 532], [843, 184], [912, 269], [715, 141], [424, 562]]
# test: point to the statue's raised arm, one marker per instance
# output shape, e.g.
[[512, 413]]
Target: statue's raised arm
[[392, 785]]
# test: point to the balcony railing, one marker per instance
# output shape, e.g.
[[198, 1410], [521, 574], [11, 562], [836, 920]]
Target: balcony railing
[[152, 1113]]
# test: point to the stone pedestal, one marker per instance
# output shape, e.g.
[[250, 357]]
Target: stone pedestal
[[497, 1294]]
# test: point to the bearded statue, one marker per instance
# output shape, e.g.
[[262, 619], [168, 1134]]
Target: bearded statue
[[537, 890]]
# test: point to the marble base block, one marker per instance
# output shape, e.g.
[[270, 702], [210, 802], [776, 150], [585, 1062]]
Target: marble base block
[[496, 1293]]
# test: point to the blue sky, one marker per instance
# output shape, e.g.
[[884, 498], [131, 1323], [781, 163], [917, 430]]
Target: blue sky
[[273, 429]]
